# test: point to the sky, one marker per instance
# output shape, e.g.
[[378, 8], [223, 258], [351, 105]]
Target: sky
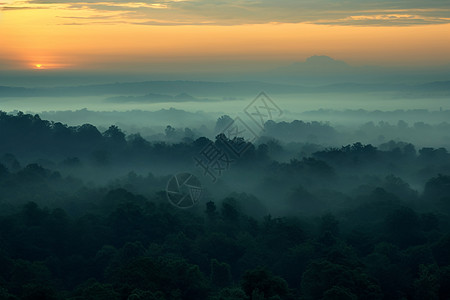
[[202, 35]]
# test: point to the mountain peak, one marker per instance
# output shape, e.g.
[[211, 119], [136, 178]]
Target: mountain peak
[[316, 64], [319, 58], [323, 60]]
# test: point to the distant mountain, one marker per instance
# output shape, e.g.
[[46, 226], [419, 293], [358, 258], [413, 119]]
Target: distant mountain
[[180, 91], [157, 118], [322, 70], [197, 88], [155, 98], [316, 64]]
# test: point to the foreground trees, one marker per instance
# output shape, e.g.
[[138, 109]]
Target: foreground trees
[[330, 226]]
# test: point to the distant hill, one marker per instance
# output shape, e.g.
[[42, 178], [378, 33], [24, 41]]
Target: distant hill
[[180, 91], [315, 64], [156, 98], [162, 117], [197, 88]]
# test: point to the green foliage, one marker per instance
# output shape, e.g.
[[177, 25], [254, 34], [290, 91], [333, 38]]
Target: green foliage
[[62, 238], [426, 286], [231, 294], [138, 294], [338, 293], [261, 284], [220, 274], [4, 294], [167, 275], [324, 278], [92, 289]]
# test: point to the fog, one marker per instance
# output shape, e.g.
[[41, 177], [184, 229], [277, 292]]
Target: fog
[[112, 189], [292, 103]]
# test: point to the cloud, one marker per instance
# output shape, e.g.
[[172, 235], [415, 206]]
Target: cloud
[[228, 12], [392, 19]]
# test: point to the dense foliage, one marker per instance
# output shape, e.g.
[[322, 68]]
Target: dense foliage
[[353, 222]]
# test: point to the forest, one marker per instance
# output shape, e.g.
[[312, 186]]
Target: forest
[[300, 214]]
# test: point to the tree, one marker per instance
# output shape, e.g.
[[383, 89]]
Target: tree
[[329, 223], [403, 227], [264, 283], [322, 276], [428, 283], [170, 132], [222, 123], [229, 210], [38, 292], [338, 293], [440, 251], [211, 210], [88, 135], [220, 273], [138, 294], [231, 294], [4, 294], [93, 290], [437, 190], [167, 275], [115, 136]]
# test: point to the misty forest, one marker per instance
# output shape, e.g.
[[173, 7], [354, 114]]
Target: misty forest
[[224, 150], [331, 204]]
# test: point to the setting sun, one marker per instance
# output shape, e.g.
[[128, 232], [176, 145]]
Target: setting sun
[[38, 66]]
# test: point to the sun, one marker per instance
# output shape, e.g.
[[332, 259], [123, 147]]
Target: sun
[[39, 66]]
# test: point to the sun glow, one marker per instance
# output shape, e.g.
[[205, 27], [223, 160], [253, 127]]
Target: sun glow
[[80, 39]]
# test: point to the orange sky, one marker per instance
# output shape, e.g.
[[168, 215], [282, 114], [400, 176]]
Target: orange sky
[[47, 37]]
